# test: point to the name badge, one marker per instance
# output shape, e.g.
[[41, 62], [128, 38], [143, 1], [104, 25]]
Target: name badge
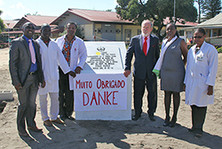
[[200, 57]]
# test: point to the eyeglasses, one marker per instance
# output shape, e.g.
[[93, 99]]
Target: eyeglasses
[[197, 37]]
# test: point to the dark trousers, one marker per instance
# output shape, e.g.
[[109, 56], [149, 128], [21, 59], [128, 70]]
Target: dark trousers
[[27, 103], [139, 88], [66, 97], [198, 117]]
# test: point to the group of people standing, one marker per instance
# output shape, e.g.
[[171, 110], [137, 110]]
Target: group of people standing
[[197, 80], [33, 63]]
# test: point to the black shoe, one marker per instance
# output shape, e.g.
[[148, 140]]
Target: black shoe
[[198, 134], [191, 130], [136, 117], [166, 122], [70, 118], [35, 129], [23, 133], [151, 116], [63, 117], [173, 122]]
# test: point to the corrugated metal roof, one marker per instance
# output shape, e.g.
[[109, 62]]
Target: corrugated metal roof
[[35, 19], [186, 23], [39, 20], [94, 16], [9, 23], [217, 20], [106, 16]]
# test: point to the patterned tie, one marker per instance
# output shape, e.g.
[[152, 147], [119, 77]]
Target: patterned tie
[[145, 46], [31, 48]]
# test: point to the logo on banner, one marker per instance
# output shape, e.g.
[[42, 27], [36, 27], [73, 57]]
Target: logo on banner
[[101, 49]]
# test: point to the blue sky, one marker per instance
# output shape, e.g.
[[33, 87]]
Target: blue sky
[[14, 9]]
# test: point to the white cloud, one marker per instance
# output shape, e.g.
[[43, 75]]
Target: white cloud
[[19, 10], [1, 2], [115, 2], [18, 5]]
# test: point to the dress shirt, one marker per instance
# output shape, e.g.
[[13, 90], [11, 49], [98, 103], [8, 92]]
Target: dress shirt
[[33, 67]]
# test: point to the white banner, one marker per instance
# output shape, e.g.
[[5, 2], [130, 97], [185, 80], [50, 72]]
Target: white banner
[[99, 92]]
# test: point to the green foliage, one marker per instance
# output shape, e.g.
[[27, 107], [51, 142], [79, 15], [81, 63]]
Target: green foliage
[[210, 8], [2, 26], [155, 10], [219, 50]]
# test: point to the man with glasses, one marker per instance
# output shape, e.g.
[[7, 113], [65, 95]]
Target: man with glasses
[[200, 79], [26, 73]]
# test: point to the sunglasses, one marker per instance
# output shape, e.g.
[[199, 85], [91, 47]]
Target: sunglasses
[[30, 27], [198, 37]]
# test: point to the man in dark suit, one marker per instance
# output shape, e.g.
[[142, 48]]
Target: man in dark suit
[[26, 73], [145, 48]]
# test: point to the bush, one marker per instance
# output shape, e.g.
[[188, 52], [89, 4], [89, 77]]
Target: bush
[[219, 50]]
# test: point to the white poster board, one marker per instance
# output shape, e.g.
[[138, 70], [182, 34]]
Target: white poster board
[[101, 92]]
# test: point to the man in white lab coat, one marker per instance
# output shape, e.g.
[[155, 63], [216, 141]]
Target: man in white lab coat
[[52, 57], [200, 79], [74, 51]]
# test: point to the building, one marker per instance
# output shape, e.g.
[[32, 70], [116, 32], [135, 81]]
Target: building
[[99, 25], [15, 28], [6, 36], [94, 25], [106, 25], [213, 29]]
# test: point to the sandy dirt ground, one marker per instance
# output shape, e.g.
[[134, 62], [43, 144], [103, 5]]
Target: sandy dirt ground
[[113, 134]]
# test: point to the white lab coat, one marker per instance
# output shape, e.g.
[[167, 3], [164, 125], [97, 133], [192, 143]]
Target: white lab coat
[[52, 57], [78, 55], [200, 72]]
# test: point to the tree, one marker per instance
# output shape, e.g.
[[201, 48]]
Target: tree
[[34, 14], [210, 8], [199, 8], [2, 26], [156, 10]]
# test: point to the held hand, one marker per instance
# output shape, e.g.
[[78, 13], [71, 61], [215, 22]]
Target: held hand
[[184, 87], [78, 70], [210, 90], [18, 87], [73, 74], [127, 73], [43, 84], [157, 73]]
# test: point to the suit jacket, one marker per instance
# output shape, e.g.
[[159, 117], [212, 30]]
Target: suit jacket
[[20, 61], [143, 65]]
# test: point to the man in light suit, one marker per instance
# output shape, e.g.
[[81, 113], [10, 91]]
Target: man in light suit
[[26, 74], [145, 48], [74, 51]]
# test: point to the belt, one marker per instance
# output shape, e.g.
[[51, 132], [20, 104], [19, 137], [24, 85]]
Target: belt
[[33, 73]]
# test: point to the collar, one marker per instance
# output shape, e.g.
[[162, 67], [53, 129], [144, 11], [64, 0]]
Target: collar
[[66, 39], [201, 45], [26, 38]]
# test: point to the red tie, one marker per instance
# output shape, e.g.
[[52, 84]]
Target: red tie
[[145, 46]]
